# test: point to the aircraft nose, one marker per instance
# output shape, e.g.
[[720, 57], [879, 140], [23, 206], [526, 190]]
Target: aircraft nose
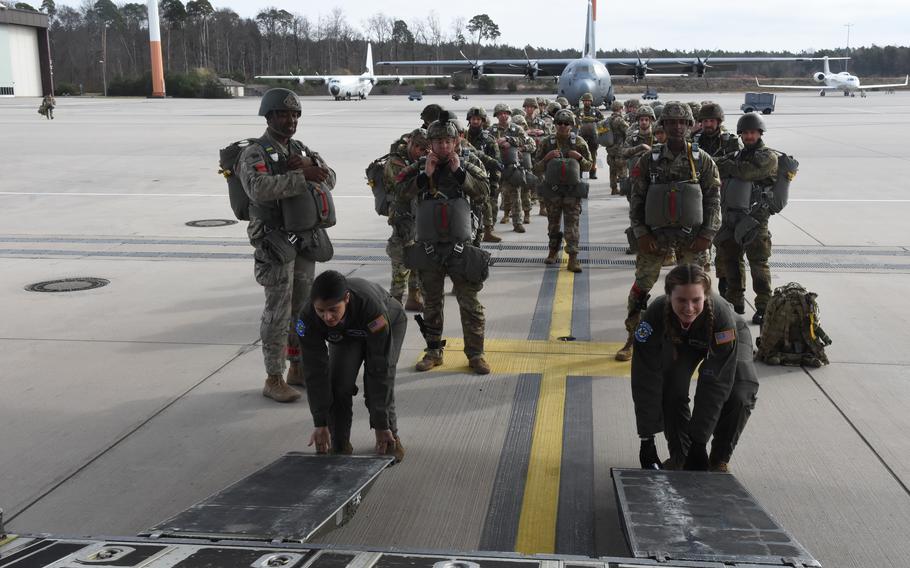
[[335, 90]]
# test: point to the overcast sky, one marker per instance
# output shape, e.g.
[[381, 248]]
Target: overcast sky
[[669, 24]]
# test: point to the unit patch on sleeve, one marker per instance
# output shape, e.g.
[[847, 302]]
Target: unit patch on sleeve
[[643, 332], [377, 324], [725, 336], [300, 328]]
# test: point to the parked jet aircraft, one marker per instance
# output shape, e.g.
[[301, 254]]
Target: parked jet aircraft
[[590, 73], [842, 81], [346, 87]]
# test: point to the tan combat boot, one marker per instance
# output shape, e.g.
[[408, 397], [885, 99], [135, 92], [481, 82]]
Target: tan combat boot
[[518, 228], [574, 265], [398, 452], [718, 466], [489, 236], [506, 217], [552, 257], [625, 353], [614, 191], [670, 259], [479, 365], [543, 209], [431, 358], [415, 300], [276, 389], [527, 219], [295, 375]]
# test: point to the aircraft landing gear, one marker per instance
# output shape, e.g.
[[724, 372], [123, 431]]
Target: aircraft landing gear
[[846, 94], [821, 93]]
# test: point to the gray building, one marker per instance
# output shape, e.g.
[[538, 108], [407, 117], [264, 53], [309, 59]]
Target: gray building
[[25, 63]]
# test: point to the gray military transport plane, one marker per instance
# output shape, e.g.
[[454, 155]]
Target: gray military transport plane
[[589, 73]]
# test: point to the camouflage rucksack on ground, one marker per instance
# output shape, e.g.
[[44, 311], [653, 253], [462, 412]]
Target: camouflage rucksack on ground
[[790, 332]]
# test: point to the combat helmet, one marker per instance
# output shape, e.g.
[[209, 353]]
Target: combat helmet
[[418, 137], [563, 102], [695, 107], [520, 121], [564, 115], [711, 110], [677, 110], [430, 112], [553, 108], [443, 127], [476, 111], [542, 101], [530, 101], [586, 97], [645, 111], [616, 106], [501, 107], [518, 112], [750, 121], [278, 99], [633, 103]]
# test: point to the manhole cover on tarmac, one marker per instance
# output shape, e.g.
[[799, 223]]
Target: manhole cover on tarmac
[[211, 223], [68, 285]]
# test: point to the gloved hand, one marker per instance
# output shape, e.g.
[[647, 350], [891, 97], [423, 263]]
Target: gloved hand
[[697, 460], [647, 454]]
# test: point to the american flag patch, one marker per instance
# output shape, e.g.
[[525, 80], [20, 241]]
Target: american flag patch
[[726, 336], [260, 167], [377, 324], [636, 172]]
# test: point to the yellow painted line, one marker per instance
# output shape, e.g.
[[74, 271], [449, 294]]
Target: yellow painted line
[[561, 316], [537, 523]]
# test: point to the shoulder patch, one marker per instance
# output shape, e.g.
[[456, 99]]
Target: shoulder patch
[[725, 336], [300, 328], [643, 332], [377, 324]]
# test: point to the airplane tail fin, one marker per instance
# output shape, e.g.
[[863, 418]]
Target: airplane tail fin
[[369, 59], [827, 67], [590, 49]]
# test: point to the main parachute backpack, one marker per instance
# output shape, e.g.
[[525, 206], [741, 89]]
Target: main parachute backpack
[[227, 162], [375, 179], [790, 332]]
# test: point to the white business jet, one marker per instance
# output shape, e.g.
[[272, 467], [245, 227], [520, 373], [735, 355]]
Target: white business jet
[[842, 81]]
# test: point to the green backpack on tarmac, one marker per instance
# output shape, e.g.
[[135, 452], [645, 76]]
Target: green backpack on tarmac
[[790, 332]]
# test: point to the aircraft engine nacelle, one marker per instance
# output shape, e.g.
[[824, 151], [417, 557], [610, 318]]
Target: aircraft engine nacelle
[[819, 77]]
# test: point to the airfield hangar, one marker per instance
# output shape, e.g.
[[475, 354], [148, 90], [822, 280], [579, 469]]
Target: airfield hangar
[[25, 63]]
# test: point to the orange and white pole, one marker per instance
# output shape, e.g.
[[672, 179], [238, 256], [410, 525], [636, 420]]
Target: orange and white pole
[[155, 49]]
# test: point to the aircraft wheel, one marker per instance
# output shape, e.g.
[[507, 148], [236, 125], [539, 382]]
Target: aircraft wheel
[[821, 94]]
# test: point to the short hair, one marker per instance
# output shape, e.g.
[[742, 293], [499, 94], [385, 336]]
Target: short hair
[[329, 286]]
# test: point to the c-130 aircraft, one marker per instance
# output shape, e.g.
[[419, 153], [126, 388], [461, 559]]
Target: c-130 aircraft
[[588, 73]]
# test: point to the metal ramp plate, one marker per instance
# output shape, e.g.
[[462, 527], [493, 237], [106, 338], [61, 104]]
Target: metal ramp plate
[[700, 516], [293, 499]]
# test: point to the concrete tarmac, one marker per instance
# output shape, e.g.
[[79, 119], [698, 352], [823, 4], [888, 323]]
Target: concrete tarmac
[[123, 405]]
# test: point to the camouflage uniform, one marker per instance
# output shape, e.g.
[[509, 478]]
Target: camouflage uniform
[[287, 286], [488, 152], [473, 321], [564, 211], [757, 164], [587, 119], [716, 146], [401, 218], [615, 161], [513, 195], [545, 124], [661, 165]]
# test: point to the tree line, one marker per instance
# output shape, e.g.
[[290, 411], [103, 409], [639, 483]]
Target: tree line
[[276, 42]]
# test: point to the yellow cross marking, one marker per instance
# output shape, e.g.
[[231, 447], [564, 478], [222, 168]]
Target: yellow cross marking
[[555, 360]]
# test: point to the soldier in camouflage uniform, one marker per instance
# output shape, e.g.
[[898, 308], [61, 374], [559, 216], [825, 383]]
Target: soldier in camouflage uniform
[[488, 152], [275, 169], [717, 142], [587, 116], [695, 107], [639, 142], [676, 165], [514, 200], [552, 109], [538, 128], [617, 164], [563, 102], [631, 110], [564, 211], [660, 134], [755, 163], [401, 218], [449, 173]]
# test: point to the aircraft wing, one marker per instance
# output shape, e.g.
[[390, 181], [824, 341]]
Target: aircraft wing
[[320, 79], [802, 87], [904, 84], [494, 67], [400, 78], [694, 65]]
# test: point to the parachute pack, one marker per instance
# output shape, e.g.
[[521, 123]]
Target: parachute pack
[[376, 180], [227, 166], [790, 332]]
